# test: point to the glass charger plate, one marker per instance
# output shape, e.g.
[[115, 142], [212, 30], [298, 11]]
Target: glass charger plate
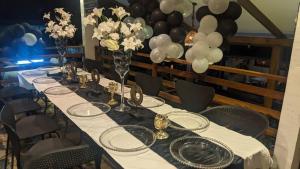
[[201, 152], [33, 73], [60, 90], [127, 138], [45, 80], [190, 121], [49, 68], [88, 109], [148, 102]]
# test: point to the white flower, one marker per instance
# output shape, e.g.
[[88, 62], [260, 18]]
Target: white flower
[[66, 16], [63, 22], [70, 31], [119, 12], [97, 34], [59, 10], [110, 44], [135, 27], [114, 36], [89, 20], [54, 35], [47, 16], [131, 43], [98, 12], [125, 30]]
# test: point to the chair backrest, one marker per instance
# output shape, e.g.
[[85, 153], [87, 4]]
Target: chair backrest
[[239, 119], [194, 97], [63, 158], [93, 64], [7, 116], [150, 85]]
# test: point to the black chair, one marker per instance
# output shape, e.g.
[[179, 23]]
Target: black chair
[[239, 119], [93, 64], [29, 126], [51, 153], [150, 85], [13, 92], [194, 97], [24, 105]]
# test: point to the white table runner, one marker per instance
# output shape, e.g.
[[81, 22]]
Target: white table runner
[[254, 153]]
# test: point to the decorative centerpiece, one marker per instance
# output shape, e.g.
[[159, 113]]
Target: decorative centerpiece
[[60, 29], [119, 37]]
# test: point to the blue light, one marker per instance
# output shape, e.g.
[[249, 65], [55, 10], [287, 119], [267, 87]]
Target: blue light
[[37, 60], [23, 62]]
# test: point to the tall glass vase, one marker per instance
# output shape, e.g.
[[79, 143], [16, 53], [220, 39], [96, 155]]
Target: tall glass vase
[[61, 46], [122, 61]]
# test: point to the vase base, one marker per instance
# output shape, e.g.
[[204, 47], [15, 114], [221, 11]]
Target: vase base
[[122, 108]]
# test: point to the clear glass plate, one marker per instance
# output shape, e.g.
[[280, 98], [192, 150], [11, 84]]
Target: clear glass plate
[[127, 138], [49, 68], [33, 73], [148, 102], [187, 121], [60, 90], [201, 152], [45, 80], [88, 109]]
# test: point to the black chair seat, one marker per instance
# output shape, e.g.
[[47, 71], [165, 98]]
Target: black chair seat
[[150, 85], [35, 125], [14, 92], [44, 146], [23, 105], [238, 119]]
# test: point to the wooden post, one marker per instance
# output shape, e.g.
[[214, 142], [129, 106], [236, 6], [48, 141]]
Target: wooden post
[[274, 69], [154, 70]]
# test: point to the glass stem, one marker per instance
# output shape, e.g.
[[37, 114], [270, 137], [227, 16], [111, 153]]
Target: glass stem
[[122, 90]]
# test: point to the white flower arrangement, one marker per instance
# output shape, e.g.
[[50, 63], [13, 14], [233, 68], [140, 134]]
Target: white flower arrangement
[[60, 27], [114, 35]]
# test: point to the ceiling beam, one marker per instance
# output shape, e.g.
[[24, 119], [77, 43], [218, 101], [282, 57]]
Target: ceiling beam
[[263, 19]]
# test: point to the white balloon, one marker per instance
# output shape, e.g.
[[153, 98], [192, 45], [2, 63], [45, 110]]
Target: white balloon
[[128, 19], [153, 42], [199, 37], [140, 20], [215, 39], [200, 65], [218, 6], [148, 31], [157, 56], [189, 57], [205, 1], [175, 50], [201, 49], [163, 40], [184, 7], [208, 24], [140, 35], [167, 6], [215, 55], [29, 39]]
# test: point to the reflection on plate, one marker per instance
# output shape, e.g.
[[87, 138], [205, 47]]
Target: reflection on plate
[[88, 109], [44, 80], [49, 68], [33, 73], [187, 121], [201, 152], [127, 138], [60, 90], [149, 102]]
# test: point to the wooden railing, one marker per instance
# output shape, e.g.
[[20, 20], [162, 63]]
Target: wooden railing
[[218, 99]]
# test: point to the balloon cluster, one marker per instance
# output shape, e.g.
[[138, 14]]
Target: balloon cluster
[[145, 33], [161, 22], [216, 20], [182, 6], [163, 47], [19, 36]]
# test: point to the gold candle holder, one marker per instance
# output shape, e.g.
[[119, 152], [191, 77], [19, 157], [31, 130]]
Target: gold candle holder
[[161, 122], [83, 80], [112, 88]]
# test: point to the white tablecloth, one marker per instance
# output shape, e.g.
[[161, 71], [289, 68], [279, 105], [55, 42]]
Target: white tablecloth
[[254, 153]]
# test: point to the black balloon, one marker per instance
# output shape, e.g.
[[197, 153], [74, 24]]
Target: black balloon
[[152, 6], [201, 12], [227, 27], [175, 19], [18, 30], [36, 32], [26, 26], [138, 10], [158, 15], [161, 27], [177, 34], [145, 2], [225, 46], [234, 11], [132, 1]]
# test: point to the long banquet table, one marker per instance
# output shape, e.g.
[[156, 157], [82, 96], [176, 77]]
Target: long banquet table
[[254, 154]]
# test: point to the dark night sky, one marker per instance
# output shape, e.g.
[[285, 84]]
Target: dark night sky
[[31, 11]]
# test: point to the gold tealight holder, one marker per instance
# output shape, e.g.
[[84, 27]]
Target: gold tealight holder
[[161, 122], [112, 88], [83, 80]]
